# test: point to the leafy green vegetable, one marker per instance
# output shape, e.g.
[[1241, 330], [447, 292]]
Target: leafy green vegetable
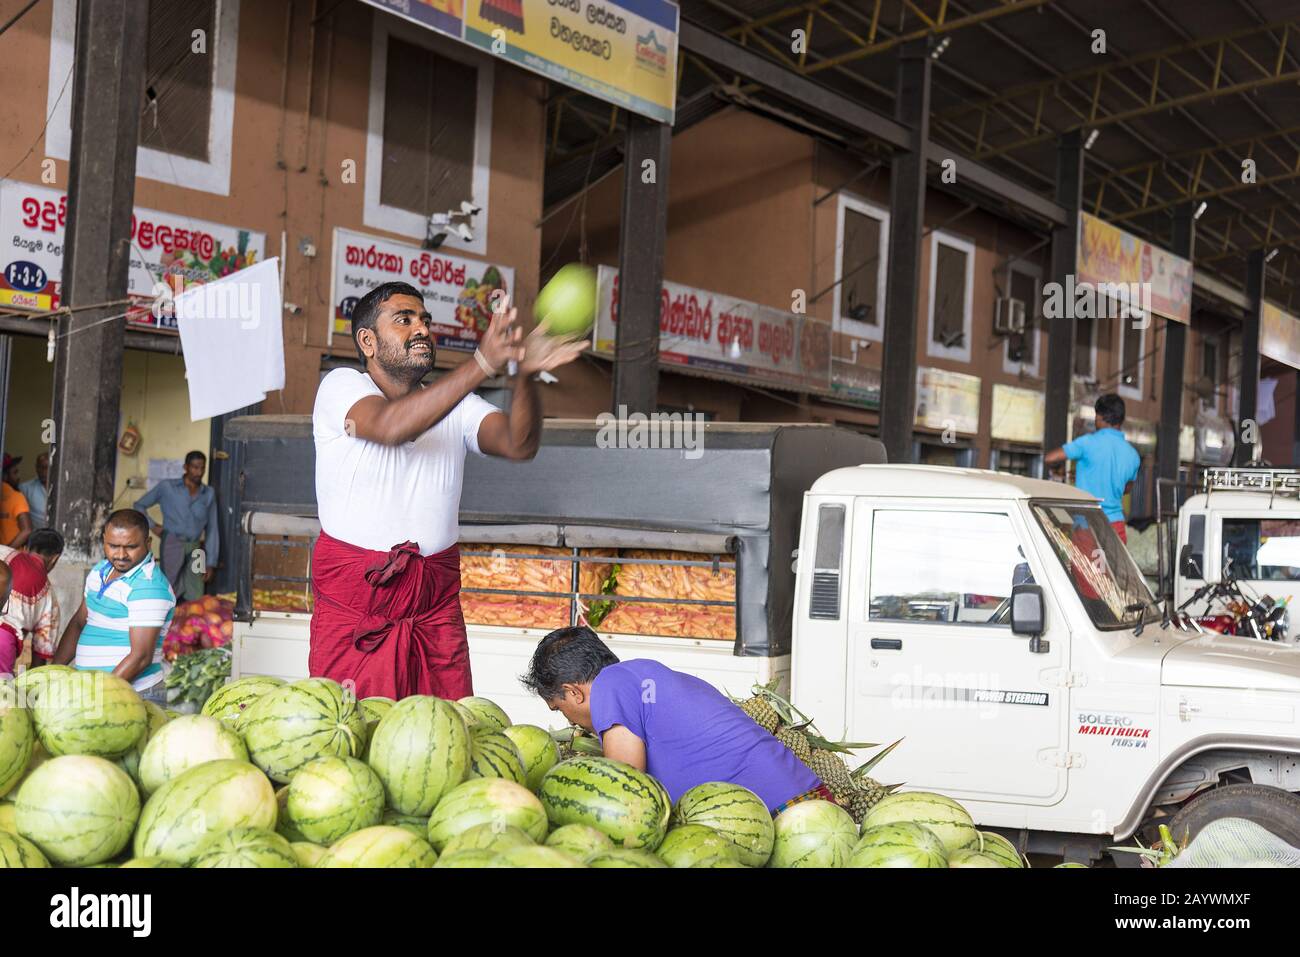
[[196, 675]]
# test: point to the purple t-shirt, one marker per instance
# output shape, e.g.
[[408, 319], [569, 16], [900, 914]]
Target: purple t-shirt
[[693, 733]]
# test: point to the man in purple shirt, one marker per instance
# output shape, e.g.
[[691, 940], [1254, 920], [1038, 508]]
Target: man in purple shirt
[[680, 729]]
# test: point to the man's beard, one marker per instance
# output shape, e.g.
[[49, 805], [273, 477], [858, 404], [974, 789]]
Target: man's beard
[[398, 362]]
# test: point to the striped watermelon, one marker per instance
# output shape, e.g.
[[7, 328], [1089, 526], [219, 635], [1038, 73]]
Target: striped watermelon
[[289, 726], [308, 854], [999, 848], [380, 846], [130, 762], [16, 738], [372, 709], [735, 812], [968, 858], [537, 856], [627, 805], [78, 809], [690, 844], [486, 801], [8, 817], [205, 800], [229, 702], [417, 825], [187, 742], [487, 714], [149, 862], [626, 857], [491, 837], [283, 826], [89, 712], [813, 834], [493, 755], [245, 847], [579, 841], [538, 749], [466, 715], [904, 844], [942, 815], [420, 750], [329, 798], [17, 851], [474, 857]]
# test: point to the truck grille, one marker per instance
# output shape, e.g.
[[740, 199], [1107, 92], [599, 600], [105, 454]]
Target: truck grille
[[825, 596]]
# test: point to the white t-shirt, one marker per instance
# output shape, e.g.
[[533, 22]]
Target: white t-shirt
[[377, 496]]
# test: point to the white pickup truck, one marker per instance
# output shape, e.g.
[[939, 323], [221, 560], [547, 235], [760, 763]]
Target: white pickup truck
[[995, 623]]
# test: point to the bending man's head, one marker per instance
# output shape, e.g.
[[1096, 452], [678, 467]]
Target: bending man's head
[[564, 665], [126, 539], [1110, 411]]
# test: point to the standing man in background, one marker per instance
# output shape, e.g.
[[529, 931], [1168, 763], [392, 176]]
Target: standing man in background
[[36, 490], [189, 525], [1107, 463], [15, 513]]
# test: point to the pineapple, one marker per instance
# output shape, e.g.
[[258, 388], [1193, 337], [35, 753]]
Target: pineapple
[[867, 795], [796, 741], [761, 710], [830, 767]]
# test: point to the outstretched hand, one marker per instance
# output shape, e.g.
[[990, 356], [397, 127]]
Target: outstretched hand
[[502, 342], [543, 352]]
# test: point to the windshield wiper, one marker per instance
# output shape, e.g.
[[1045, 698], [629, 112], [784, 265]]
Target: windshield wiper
[[1139, 607]]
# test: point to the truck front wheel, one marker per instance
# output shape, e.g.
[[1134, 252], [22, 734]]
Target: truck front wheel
[[1271, 808]]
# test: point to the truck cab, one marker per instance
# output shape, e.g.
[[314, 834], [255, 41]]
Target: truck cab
[[1246, 521], [1001, 629]]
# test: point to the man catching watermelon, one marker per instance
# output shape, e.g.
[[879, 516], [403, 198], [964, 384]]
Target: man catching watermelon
[[678, 728], [390, 459]]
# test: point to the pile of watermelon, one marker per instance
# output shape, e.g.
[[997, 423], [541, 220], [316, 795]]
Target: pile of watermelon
[[276, 774], [206, 622]]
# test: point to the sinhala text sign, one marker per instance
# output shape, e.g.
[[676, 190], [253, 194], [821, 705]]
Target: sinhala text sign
[[457, 291], [729, 337], [165, 248]]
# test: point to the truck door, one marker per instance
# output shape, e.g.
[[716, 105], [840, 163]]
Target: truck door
[[1264, 551], [932, 659]]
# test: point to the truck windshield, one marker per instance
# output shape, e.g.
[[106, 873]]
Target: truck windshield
[[1099, 566]]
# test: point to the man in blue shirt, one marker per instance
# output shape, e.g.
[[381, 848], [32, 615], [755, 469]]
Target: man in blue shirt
[[37, 491], [675, 726], [1106, 464], [189, 515]]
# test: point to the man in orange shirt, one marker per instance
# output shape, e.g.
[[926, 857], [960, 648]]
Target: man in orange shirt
[[15, 514]]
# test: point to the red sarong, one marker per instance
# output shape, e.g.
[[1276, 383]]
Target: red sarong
[[389, 622]]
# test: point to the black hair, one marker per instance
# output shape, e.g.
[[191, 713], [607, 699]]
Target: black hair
[[196, 454], [1110, 409], [365, 314], [128, 518], [566, 656], [45, 541]]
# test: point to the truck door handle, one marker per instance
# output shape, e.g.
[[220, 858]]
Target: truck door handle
[[887, 644]]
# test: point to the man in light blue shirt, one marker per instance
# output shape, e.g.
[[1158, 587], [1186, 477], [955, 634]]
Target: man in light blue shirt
[[37, 491], [1105, 461], [189, 516]]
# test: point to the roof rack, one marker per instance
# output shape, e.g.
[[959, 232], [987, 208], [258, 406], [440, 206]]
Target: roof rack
[[1273, 481]]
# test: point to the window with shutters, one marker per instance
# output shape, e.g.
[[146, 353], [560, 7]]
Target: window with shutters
[[177, 114], [952, 276], [428, 143], [860, 264], [188, 106], [1020, 354]]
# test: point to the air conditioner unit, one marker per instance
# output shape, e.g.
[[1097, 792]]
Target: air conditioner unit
[[1009, 317]]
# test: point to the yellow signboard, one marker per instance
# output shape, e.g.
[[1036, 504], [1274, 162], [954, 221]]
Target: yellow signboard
[[624, 53], [1279, 335], [1017, 414], [1133, 270], [947, 400]]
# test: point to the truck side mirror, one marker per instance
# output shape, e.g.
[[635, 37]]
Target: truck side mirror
[[1027, 615], [1189, 562]]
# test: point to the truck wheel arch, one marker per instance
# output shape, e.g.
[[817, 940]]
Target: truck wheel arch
[[1141, 804]]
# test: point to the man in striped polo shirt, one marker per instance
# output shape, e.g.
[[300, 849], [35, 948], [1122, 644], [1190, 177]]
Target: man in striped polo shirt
[[127, 607]]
